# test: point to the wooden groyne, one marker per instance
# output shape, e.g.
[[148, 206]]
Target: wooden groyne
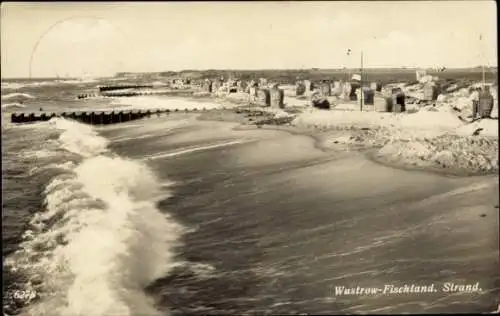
[[118, 93], [97, 117], [122, 87], [127, 93]]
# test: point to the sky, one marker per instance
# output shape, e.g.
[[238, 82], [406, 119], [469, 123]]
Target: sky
[[101, 38]]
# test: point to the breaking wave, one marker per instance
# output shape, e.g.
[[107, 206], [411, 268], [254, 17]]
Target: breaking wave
[[31, 84], [12, 85], [13, 106], [21, 85], [158, 102], [99, 240], [17, 95]]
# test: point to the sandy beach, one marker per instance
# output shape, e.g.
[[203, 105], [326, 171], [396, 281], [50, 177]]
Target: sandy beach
[[437, 141]]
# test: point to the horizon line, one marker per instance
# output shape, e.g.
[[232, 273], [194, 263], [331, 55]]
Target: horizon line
[[262, 69]]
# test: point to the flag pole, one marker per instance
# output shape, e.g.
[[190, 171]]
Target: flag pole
[[361, 85], [484, 78], [348, 69], [482, 60]]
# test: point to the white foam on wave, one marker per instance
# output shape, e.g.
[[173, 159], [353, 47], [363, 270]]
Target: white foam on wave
[[193, 149], [156, 102], [79, 138], [12, 85], [77, 81], [30, 84], [124, 139], [20, 85], [100, 240], [17, 95], [38, 154], [14, 105], [159, 84]]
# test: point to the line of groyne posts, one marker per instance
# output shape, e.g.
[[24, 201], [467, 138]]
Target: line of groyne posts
[[98, 117]]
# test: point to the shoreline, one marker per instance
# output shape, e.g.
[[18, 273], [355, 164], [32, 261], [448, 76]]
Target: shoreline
[[435, 141], [378, 145]]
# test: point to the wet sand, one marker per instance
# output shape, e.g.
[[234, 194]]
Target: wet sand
[[325, 139]]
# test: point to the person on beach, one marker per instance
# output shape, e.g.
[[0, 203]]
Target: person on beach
[[474, 97]]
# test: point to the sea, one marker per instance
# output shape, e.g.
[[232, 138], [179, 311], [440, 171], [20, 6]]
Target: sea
[[174, 215]]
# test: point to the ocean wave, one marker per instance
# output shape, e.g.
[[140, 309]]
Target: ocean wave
[[17, 95], [77, 81], [21, 85], [155, 102], [184, 151], [159, 84], [31, 84], [12, 85], [14, 105], [100, 239]]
